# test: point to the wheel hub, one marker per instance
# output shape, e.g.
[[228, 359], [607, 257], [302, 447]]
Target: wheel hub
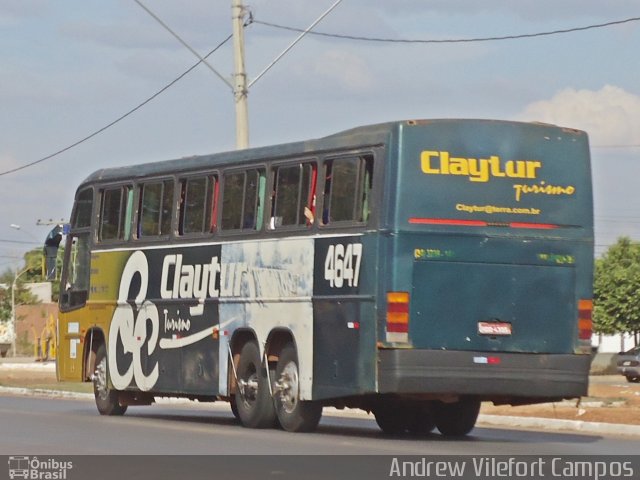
[[287, 387], [100, 379], [249, 388]]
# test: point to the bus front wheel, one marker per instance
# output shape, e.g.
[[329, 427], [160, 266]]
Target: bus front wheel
[[457, 418], [106, 398], [294, 414], [252, 397]]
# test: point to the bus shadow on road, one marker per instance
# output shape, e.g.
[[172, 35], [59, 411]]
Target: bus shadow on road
[[364, 428]]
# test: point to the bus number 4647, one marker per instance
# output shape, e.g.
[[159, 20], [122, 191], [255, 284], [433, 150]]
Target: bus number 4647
[[342, 265]]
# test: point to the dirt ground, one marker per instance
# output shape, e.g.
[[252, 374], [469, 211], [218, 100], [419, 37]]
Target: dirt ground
[[611, 398]]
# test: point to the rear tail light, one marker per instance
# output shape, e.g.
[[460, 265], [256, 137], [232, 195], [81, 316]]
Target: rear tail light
[[585, 324], [398, 317]]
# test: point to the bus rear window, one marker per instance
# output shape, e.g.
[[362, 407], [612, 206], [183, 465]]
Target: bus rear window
[[347, 189]]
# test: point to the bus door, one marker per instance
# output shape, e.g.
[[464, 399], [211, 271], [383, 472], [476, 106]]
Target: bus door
[[74, 294]]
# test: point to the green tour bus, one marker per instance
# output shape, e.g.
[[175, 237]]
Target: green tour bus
[[412, 269]]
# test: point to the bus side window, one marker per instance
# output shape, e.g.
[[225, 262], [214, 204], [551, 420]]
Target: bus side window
[[347, 189], [293, 201], [196, 206], [115, 214], [232, 201], [127, 218], [254, 187], [110, 212], [365, 188], [243, 200], [156, 201]]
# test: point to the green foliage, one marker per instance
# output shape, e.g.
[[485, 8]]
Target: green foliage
[[23, 296], [617, 289]]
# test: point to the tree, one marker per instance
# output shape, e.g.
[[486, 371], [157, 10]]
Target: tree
[[34, 259], [617, 289], [22, 296]]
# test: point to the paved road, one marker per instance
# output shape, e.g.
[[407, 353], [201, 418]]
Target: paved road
[[40, 426]]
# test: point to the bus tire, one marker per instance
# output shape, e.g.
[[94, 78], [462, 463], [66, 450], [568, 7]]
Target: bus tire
[[421, 419], [253, 400], [294, 415], [391, 416], [234, 407], [458, 418], [106, 398]]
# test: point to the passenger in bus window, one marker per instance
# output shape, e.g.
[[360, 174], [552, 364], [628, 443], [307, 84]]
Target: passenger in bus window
[[308, 214]]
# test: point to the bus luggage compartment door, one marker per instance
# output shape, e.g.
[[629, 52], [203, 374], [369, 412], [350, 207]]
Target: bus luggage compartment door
[[493, 307]]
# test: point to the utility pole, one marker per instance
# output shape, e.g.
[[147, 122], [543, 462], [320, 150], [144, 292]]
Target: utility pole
[[239, 86], [14, 324], [240, 90]]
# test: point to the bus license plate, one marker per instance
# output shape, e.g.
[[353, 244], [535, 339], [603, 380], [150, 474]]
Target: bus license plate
[[494, 328]]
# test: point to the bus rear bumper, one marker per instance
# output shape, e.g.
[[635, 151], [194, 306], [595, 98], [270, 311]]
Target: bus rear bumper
[[489, 375]]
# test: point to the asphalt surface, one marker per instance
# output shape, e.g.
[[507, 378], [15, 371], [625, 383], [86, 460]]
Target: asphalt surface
[[500, 421], [71, 426]]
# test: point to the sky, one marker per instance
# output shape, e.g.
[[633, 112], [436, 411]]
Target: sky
[[71, 67]]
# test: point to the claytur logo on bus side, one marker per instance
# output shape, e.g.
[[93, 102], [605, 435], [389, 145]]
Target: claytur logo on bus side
[[137, 321], [149, 318]]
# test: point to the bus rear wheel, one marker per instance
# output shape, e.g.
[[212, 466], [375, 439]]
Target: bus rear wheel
[[252, 398], [391, 416], [294, 414], [458, 418], [106, 398], [396, 416], [234, 407], [421, 419]]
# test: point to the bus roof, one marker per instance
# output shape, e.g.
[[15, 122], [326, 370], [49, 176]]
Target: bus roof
[[369, 135], [360, 136]]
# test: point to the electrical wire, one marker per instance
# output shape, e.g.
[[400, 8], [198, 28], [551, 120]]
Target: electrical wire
[[120, 118], [454, 40], [184, 43], [313, 32]]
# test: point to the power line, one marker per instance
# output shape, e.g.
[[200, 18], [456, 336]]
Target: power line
[[454, 40], [183, 43], [120, 118], [286, 50], [313, 32]]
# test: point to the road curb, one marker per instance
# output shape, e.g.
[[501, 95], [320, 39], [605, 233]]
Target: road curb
[[559, 424]]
